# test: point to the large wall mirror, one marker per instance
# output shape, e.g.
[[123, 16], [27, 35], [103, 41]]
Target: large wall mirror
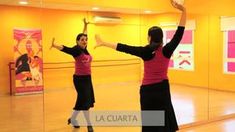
[[21, 37], [221, 60], [201, 70]]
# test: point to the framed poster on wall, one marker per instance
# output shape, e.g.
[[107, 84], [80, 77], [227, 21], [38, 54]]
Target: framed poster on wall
[[228, 29], [183, 56], [229, 56], [28, 61]]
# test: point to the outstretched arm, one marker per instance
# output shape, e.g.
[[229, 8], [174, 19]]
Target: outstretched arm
[[53, 45], [145, 53], [85, 25], [74, 51], [100, 42]]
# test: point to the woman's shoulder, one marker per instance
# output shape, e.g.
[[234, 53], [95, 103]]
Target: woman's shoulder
[[76, 47], [79, 49]]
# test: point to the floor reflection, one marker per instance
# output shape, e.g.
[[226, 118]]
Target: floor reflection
[[50, 111]]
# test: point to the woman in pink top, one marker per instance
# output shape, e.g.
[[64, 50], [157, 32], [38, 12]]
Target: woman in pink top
[[81, 78], [155, 90]]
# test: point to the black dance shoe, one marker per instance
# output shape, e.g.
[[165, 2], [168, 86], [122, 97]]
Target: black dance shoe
[[74, 123], [90, 129]]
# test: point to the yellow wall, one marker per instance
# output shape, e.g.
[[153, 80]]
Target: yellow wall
[[65, 25], [217, 79], [13, 17]]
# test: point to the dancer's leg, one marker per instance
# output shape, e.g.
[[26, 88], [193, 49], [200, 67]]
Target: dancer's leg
[[73, 120], [89, 125]]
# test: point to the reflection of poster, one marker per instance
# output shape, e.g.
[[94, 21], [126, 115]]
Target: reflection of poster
[[230, 52], [28, 61], [183, 55]]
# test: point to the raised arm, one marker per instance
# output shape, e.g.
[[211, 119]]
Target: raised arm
[[85, 25], [100, 42], [180, 7], [171, 46]]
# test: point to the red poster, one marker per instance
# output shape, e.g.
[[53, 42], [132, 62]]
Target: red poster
[[28, 61]]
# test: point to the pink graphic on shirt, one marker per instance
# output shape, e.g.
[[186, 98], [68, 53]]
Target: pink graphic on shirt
[[83, 64], [86, 59]]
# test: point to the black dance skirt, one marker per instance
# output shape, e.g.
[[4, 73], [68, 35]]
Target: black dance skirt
[[85, 92], [157, 97]]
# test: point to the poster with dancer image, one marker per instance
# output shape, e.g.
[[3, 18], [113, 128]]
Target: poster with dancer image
[[28, 61]]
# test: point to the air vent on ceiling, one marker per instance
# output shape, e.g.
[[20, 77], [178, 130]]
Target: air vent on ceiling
[[107, 20]]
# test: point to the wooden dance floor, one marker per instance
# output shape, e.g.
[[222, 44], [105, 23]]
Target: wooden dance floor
[[49, 112]]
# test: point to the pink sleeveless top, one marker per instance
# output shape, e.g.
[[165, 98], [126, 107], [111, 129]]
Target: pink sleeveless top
[[155, 70], [83, 64]]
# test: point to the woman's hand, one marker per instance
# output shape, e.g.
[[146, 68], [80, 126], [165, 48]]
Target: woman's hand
[[52, 43], [180, 7], [99, 42], [177, 5], [85, 21]]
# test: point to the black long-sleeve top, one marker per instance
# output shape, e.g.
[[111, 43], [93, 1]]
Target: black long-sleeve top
[[155, 60]]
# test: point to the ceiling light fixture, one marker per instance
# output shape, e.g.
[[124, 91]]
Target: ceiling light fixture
[[147, 11], [23, 2], [95, 8]]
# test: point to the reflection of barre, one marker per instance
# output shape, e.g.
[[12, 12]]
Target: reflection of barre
[[127, 64]]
